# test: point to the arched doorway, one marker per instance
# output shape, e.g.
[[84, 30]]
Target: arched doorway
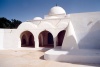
[[27, 39], [23, 40], [60, 37], [46, 39]]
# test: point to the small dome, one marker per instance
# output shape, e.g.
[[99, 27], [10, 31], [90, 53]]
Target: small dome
[[57, 10], [52, 17], [37, 18]]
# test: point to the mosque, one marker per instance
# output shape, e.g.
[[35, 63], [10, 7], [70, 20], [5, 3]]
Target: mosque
[[71, 37]]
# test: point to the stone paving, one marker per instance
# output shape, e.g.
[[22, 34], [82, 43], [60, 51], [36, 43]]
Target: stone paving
[[33, 58]]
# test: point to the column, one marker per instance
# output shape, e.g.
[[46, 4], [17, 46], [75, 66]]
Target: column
[[36, 41], [55, 41]]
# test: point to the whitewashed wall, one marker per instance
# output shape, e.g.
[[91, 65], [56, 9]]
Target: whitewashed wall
[[10, 38], [1, 38], [87, 29]]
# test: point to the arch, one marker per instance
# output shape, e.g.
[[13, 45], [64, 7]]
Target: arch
[[27, 25], [46, 39], [60, 37], [27, 39], [23, 40]]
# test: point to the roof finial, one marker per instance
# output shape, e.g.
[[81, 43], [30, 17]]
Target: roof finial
[[56, 5]]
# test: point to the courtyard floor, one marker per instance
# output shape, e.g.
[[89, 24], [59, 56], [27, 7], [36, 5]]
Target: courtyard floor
[[29, 57]]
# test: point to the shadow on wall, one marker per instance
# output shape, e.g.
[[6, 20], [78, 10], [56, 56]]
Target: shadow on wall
[[92, 39], [70, 43]]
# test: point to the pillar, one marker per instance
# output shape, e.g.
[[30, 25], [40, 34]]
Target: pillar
[[36, 41], [55, 42]]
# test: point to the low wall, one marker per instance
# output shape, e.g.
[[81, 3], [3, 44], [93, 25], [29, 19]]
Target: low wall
[[73, 56], [10, 40], [1, 38]]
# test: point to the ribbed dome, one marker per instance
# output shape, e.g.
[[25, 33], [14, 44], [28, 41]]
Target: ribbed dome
[[57, 10], [37, 18]]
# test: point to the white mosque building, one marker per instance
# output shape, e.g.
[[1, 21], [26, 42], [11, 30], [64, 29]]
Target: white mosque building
[[72, 37]]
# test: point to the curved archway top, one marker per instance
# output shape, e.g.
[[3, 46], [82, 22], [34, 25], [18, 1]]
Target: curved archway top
[[44, 30], [61, 31], [27, 25], [45, 25], [50, 31], [26, 31], [28, 37]]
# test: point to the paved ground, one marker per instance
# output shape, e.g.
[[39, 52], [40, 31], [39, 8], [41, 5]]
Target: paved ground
[[32, 58]]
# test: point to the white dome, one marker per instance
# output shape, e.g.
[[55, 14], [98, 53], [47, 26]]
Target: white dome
[[37, 18], [52, 17], [57, 10]]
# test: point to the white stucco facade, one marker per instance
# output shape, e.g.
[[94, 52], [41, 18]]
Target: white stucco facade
[[77, 32]]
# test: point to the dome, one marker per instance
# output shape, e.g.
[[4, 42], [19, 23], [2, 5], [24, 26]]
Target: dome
[[57, 10], [37, 18], [52, 17]]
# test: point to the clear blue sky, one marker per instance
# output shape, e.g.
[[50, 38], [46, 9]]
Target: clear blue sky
[[28, 9]]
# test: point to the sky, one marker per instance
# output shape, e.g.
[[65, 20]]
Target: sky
[[24, 10]]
